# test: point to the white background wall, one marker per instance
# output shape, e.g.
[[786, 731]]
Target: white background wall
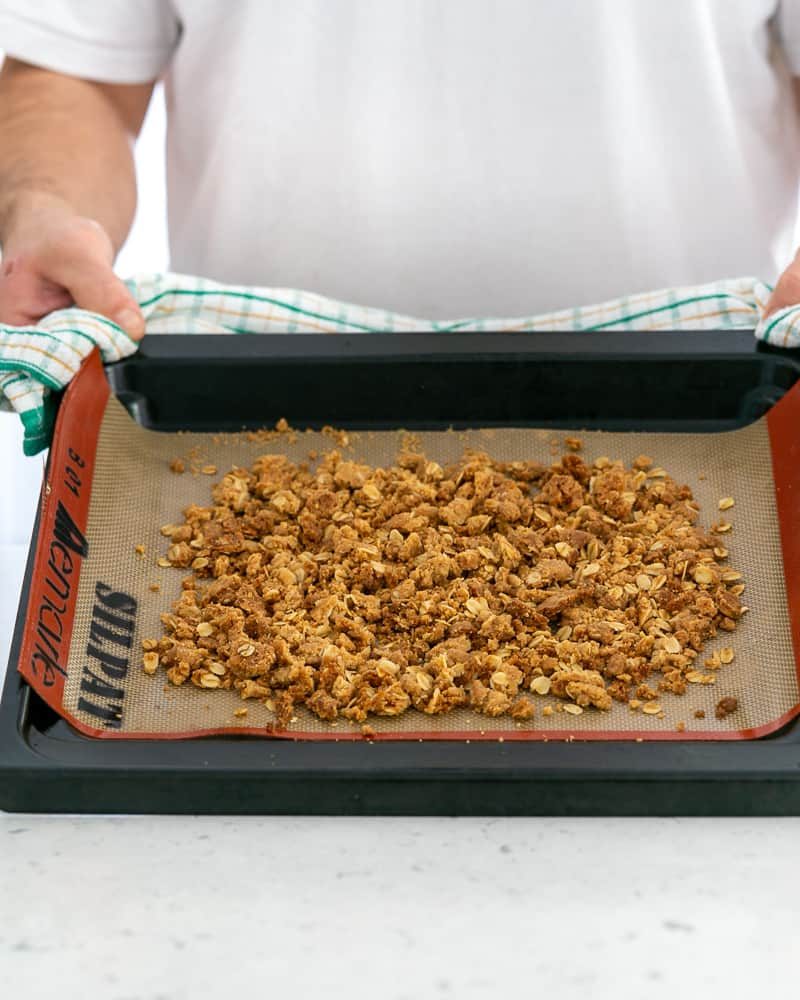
[[146, 248]]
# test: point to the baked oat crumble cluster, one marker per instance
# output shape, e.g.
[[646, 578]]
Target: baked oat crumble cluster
[[358, 591]]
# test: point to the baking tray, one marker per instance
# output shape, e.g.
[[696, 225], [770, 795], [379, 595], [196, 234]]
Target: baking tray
[[667, 381]]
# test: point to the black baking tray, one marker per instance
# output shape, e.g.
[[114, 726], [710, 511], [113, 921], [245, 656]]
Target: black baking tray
[[670, 381]]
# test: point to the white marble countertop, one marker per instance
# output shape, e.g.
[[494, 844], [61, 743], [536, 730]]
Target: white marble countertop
[[162, 908], [167, 908]]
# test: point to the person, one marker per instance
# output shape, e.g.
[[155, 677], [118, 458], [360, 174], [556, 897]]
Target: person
[[437, 157]]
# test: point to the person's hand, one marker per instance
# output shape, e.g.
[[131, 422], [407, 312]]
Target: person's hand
[[787, 290], [53, 258]]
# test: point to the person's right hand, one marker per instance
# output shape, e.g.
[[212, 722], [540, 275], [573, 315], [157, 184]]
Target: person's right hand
[[53, 258]]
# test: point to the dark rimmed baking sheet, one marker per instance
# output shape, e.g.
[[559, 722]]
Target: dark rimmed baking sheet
[[719, 392]]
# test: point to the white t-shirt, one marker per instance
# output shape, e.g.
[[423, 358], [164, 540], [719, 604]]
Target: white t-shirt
[[457, 157]]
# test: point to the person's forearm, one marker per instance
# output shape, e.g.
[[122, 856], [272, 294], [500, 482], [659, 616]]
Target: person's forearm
[[67, 193], [64, 144]]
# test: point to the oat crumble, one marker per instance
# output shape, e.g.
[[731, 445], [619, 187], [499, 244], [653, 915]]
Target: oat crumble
[[358, 591]]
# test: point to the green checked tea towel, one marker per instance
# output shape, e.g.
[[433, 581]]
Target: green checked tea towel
[[36, 360]]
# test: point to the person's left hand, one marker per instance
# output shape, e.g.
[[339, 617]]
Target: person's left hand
[[787, 290]]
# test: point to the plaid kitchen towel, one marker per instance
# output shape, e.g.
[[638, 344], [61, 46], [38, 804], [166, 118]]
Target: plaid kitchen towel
[[36, 360]]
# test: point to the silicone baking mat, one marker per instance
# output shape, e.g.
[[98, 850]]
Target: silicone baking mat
[[109, 489]]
